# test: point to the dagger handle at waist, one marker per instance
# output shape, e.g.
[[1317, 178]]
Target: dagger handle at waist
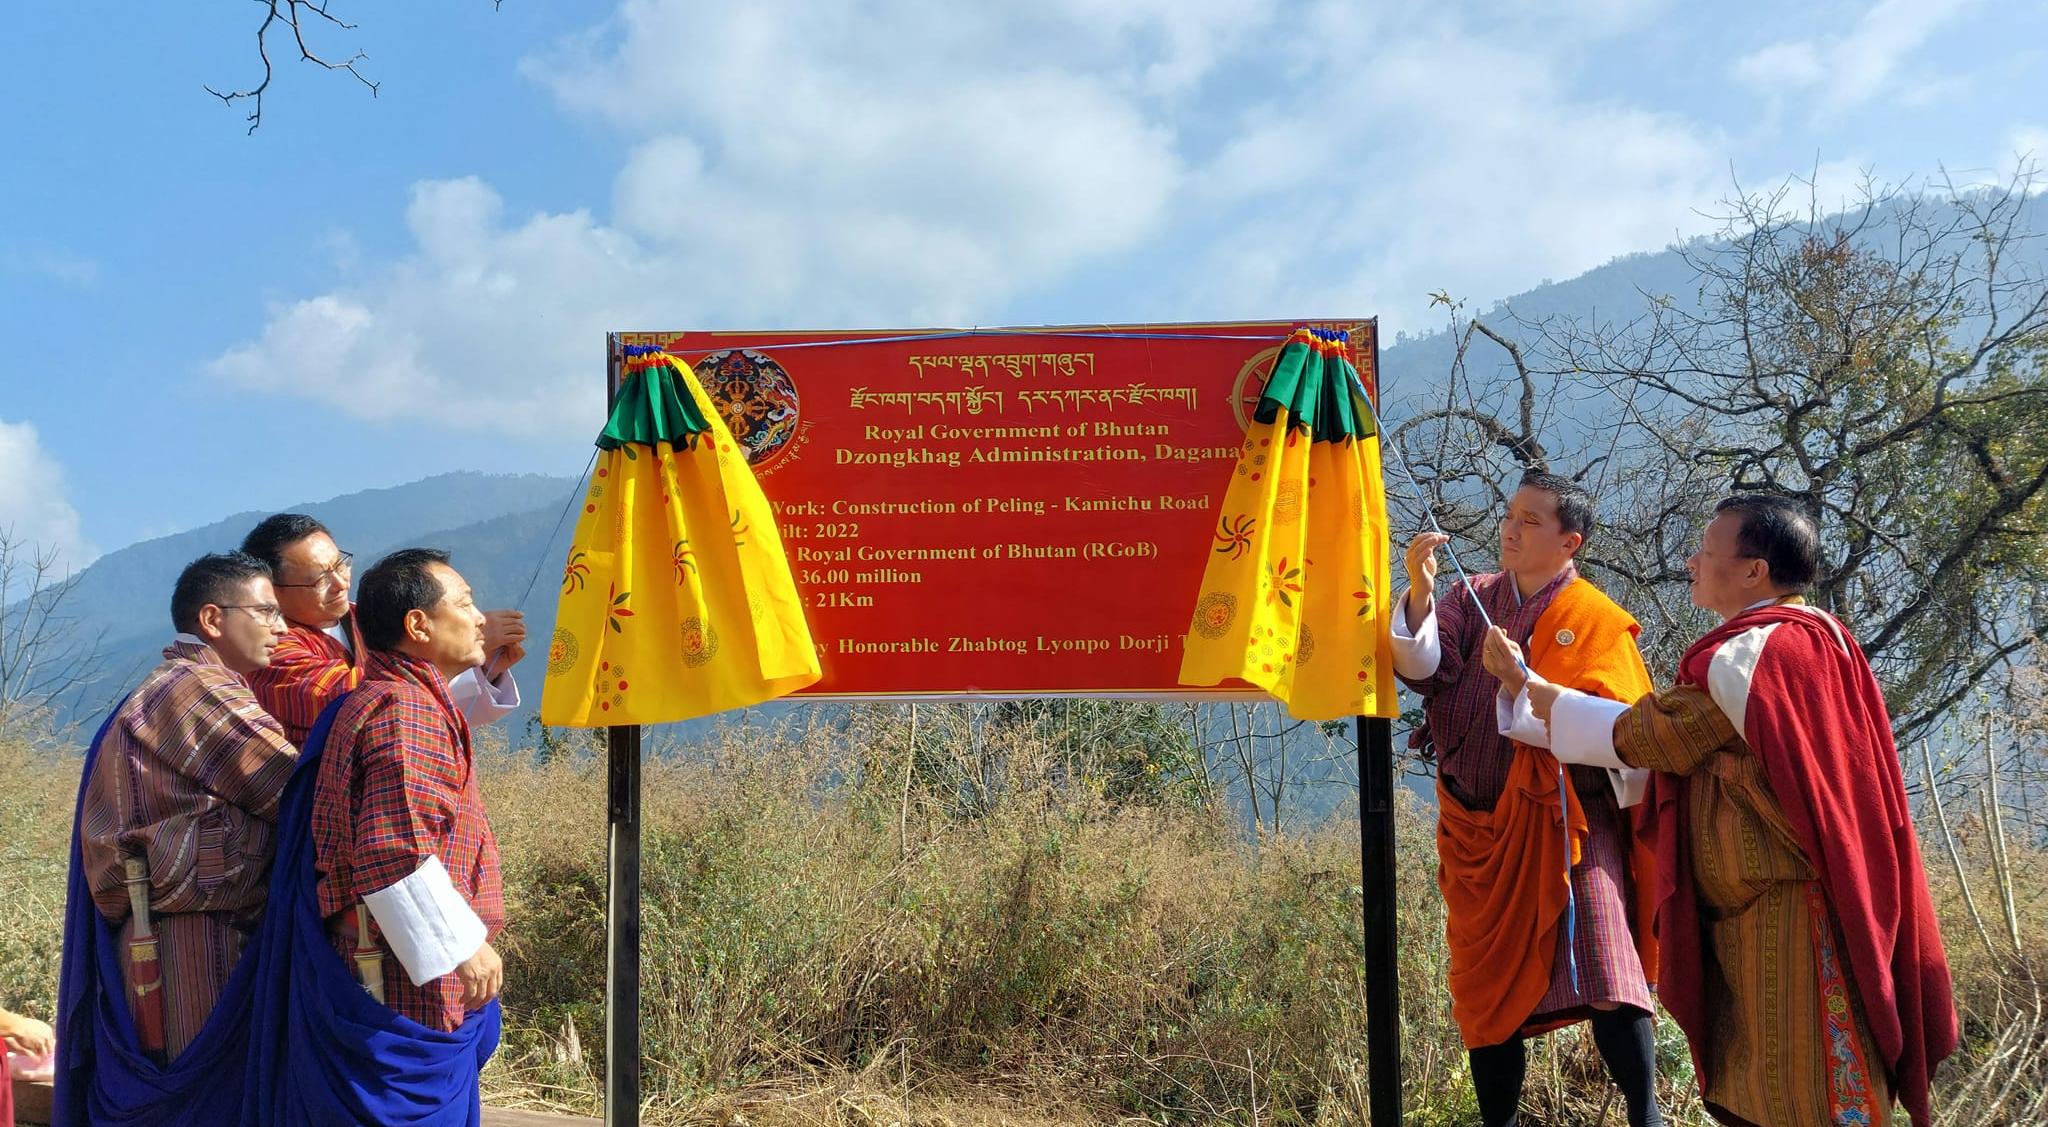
[[136, 877]]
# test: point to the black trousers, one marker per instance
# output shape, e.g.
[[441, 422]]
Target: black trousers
[[1626, 1038]]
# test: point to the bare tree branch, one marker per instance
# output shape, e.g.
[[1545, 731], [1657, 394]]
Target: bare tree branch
[[294, 15], [1887, 366], [291, 14], [43, 656]]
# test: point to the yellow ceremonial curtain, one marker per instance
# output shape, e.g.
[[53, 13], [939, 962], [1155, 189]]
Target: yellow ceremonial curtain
[[1294, 597], [677, 599]]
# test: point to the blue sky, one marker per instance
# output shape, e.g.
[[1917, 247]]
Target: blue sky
[[367, 291]]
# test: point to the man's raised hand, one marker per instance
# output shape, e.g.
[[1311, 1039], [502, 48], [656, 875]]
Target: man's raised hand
[[1422, 574], [1503, 659], [504, 641], [503, 628]]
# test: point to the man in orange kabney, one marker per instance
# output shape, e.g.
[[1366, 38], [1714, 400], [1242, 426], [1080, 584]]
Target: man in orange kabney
[[1532, 948]]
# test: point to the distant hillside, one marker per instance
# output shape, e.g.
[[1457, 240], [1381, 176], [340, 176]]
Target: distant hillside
[[1414, 364], [502, 530]]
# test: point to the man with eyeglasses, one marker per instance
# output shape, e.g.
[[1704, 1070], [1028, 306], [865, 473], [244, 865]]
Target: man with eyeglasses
[[1802, 955], [322, 656], [173, 840]]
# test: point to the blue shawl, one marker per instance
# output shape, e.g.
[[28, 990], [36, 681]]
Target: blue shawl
[[295, 1040], [103, 1077]]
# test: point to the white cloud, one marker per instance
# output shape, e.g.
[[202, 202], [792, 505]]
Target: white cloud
[[2026, 154], [1781, 64], [56, 264], [35, 509], [488, 324], [1468, 163], [1841, 185], [1845, 71], [2029, 141], [785, 164], [944, 207], [904, 162], [903, 158], [666, 64], [1373, 154], [1927, 91]]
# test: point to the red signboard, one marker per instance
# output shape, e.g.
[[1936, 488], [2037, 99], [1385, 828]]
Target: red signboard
[[1007, 512]]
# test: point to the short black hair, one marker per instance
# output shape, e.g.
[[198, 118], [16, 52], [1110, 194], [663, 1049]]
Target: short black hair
[[1574, 501], [214, 580], [268, 540], [394, 587], [1779, 531]]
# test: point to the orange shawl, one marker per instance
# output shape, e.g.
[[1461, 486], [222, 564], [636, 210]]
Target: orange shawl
[[1503, 872]]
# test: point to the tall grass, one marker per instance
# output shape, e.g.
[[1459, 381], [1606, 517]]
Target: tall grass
[[880, 923], [38, 790]]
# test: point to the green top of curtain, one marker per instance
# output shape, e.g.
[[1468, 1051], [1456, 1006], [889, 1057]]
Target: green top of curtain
[[653, 406], [1318, 390]]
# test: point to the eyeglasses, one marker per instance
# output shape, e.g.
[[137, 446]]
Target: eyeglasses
[[269, 613], [336, 576]]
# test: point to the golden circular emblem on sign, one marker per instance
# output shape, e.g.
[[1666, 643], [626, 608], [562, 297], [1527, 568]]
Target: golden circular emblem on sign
[[757, 398], [1251, 383]]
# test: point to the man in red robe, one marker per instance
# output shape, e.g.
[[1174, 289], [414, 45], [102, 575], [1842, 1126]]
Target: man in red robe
[[398, 819], [322, 656], [1801, 952]]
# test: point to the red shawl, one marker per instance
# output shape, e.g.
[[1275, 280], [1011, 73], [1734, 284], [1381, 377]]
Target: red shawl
[[307, 671], [1811, 712]]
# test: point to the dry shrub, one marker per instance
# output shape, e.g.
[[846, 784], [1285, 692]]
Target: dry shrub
[[961, 907], [38, 791], [863, 916], [875, 922], [1999, 1075]]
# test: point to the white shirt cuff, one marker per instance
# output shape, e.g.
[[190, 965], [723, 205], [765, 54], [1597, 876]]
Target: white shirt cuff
[[428, 924], [1582, 731], [1517, 720], [1417, 653], [481, 701]]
